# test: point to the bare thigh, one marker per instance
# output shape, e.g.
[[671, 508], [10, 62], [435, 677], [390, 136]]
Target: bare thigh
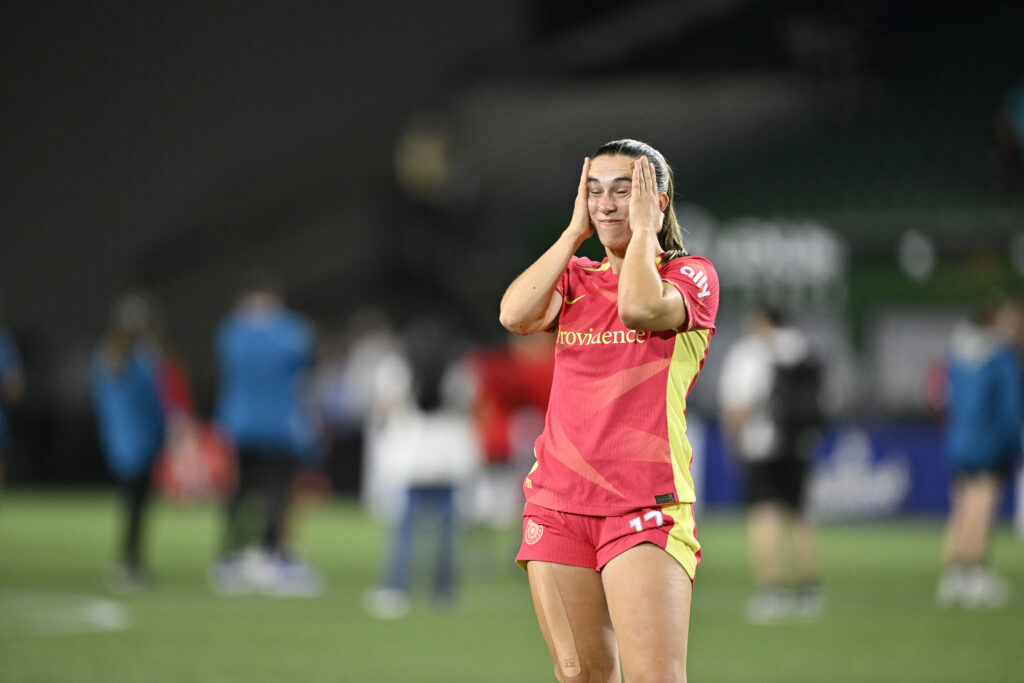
[[649, 595], [573, 616]]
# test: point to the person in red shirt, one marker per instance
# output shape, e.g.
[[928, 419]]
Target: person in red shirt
[[609, 538], [511, 378]]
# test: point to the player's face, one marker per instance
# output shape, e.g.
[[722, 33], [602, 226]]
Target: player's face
[[609, 185]]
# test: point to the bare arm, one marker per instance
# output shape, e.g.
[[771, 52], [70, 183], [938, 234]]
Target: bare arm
[[646, 302], [531, 303]]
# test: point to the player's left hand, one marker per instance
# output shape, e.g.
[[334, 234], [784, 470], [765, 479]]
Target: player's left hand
[[644, 202]]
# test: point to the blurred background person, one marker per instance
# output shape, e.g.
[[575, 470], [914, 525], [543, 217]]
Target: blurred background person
[[769, 395], [513, 386], [426, 444], [197, 463], [984, 414], [266, 353], [126, 386], [12, 380], [344, 390]]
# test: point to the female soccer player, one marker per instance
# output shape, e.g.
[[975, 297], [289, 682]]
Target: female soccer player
[[608, 531]]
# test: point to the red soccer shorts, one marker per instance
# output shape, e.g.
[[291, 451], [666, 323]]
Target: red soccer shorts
[[587, 541]]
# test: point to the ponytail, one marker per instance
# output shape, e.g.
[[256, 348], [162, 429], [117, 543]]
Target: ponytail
[[671, 235]]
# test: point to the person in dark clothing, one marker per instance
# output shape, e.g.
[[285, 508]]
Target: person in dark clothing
[[769, 392]]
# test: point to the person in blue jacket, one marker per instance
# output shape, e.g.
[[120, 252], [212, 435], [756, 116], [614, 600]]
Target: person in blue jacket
[[265, 352], [125, 377], [984, 414]]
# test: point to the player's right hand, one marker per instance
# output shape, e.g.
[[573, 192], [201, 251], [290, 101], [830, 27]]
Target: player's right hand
[[580, 224]]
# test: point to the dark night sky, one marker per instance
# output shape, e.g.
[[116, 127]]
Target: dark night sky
[[125, 123]]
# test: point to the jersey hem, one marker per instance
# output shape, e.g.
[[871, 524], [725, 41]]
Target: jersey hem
[[609, 512]]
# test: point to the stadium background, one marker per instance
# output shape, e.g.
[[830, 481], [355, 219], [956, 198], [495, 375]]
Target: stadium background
[[400, 154]]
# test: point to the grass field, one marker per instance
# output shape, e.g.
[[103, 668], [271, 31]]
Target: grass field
[[59, 621]]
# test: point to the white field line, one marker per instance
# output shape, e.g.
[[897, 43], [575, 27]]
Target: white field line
[[46, 613]]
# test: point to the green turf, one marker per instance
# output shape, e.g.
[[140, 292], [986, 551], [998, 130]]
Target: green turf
[[880, 624]]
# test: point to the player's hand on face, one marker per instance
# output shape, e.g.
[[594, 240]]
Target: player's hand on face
[[644, 202], [580, 223]]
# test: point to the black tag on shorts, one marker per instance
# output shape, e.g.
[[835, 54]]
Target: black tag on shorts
[[665, 498]]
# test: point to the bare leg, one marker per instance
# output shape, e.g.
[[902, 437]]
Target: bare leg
[[649, 596], [968, 579], [979, 500], [764, 535], [573, 616], [805, 551], [951, 539]]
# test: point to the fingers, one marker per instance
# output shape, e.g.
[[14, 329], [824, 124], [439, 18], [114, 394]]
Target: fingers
[[644, 176], [585, 174], [648, 170], [581, 214]]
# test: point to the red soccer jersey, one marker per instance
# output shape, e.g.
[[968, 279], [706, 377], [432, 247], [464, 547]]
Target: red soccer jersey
[[614, 437]]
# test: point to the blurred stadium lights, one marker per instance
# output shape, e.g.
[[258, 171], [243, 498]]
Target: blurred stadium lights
[[917, 255], [797, 263], [757, 252]]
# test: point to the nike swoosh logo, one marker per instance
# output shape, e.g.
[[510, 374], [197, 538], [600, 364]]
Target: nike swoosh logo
[[572, 301]]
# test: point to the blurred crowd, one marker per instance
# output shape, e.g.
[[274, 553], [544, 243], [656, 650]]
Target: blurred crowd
[[773, 415], [438, 432], [435, 433]]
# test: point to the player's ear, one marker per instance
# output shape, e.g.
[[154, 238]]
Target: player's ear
[[662, 201]]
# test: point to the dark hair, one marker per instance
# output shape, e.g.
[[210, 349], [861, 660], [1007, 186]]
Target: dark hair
[[670, 236], [135, 317], [772, 313], [132, 314], [430, 347]]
